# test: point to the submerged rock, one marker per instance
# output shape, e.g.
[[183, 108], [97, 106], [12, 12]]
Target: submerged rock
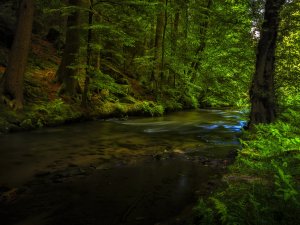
[[8, 194]]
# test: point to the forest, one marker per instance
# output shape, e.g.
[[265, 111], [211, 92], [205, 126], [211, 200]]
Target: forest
[[150, 112]]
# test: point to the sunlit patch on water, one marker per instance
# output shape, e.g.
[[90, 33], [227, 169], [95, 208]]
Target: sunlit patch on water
[[233, 127], [223, 127], [160, 123], [237, 127], [243, 123], [156, 130], [209, 127], [232, 116]]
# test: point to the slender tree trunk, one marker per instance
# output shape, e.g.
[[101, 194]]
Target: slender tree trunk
[[88, 58], [158, 44], [162, 66], [152, 46], [203, 32], [174, 35], [12, 83], [186, 20], [66, 73], [262, 92], [152, 35], [96, 37]]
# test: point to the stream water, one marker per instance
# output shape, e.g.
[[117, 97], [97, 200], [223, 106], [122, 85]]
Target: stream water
[[135, 171]]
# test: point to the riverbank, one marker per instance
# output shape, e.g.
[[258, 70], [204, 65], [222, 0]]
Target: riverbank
[[58, 112], [112, 93], [45, 106], [113, 96]]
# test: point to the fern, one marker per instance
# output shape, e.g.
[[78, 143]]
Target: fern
[[222, 211], [285, 186]]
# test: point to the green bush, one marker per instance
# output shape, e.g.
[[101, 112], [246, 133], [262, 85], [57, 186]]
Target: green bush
[[149, 108], [51, 113]]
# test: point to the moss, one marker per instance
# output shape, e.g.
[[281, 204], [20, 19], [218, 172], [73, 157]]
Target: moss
[[4, 126], [128, 100], [148, 108], [172, 105], [27, 124], [53, 113]]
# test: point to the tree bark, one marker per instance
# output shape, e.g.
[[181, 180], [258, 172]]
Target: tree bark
[[203, 31], [66, 73], [13, 80], [158, 44], [88, 70], [162, 66], [262, 91], [174, 32]]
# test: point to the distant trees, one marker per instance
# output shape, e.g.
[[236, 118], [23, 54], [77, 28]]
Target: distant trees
[[187, 52], [162, 43], [262, 92], [12, 82], [287, 80]]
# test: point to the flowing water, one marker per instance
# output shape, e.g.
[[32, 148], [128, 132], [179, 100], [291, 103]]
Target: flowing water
[[135, 171]]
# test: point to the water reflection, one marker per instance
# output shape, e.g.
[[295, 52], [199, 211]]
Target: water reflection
[[24, 154]]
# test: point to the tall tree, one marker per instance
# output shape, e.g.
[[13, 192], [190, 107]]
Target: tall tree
[[88, 56], [66, 73], [202, 33], [12, 83], [159, 38], [174, 31], [262, 92]]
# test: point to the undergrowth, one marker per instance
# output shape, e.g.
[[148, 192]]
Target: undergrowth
[[263, 184], [52, 113]]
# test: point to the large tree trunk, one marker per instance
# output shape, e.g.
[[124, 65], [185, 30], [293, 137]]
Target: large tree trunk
[[66, 73], [12, 83], [262, 92]]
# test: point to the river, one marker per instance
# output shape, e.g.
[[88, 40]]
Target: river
[[134, 171]]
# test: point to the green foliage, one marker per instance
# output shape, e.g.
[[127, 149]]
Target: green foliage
[[221, 209], [285, 186], [27, 124], [149, 108], [288, 57], [263, 183], [52, 113], [229, 56], [103, 81], [204, 214]]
